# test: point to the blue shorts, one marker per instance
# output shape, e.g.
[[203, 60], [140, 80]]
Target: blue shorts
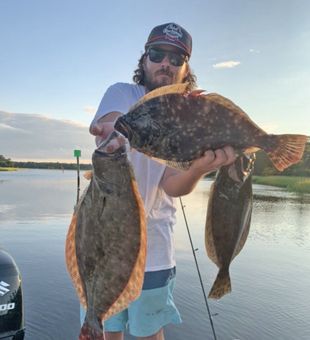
[[151, 311]]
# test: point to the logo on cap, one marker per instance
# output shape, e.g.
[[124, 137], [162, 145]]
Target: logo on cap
[[173, 32]]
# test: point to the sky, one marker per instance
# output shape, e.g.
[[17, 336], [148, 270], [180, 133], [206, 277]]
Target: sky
[[58, 57]]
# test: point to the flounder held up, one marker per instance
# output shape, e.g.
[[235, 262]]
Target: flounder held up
[[178, 127], [106, 242], [228, 219]]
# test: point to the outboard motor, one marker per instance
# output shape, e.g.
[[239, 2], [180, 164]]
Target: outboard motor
[[11, 299]]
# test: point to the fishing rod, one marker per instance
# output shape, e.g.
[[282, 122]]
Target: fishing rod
[[197, 267], [77, 154]]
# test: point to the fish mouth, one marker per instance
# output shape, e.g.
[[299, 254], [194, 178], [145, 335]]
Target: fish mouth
[[118, 152], [122, 127], [242, 168]]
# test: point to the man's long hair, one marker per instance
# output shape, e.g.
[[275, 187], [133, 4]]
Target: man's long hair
[[138, 77]]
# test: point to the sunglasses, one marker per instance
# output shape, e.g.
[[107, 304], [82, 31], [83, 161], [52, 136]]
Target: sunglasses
[[157, 56]]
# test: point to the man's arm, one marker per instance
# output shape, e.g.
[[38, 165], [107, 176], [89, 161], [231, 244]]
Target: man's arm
[[177, 182]]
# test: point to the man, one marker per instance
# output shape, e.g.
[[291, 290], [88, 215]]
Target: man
[[164, 62]]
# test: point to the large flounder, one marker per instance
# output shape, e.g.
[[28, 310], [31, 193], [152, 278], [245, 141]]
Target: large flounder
[[176, 126], [106, 242], [228, 219]]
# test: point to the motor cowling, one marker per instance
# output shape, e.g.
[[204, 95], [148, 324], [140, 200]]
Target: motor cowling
[[11, 299]]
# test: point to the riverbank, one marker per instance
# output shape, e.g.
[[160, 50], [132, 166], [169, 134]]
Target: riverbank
[[7, 169], [291, 183]]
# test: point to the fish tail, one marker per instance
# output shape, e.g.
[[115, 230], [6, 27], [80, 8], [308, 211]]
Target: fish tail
[[287, 150], [221, 285], [91, 333]]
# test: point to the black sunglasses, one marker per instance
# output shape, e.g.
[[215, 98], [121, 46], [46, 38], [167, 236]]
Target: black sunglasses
[[157, 56]]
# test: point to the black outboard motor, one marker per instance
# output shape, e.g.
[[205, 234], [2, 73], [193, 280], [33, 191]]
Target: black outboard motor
[[11, 299]]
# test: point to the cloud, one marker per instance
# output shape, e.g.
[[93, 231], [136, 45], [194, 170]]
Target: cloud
[[253, 50], [226, 64], [41, 138], [8, 127], [90, 109]]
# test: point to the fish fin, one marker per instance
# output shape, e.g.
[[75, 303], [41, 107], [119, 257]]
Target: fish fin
[[88, 174], [90, 333], [71, 261], [227, 103], [289, 150], [179, 165], [196, 93], [219, 99], [174, 164], [221, 285], [163, 90]]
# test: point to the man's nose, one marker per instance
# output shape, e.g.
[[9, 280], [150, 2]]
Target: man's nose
[[165, 61]]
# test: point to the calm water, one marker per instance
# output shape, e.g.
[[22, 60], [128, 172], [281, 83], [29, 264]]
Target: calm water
[[270, 277]]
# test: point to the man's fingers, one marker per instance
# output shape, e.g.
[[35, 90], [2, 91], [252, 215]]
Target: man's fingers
[[220, 157], [216, 159], [103, 129], [230, 154], [209, 156], [224, 156]]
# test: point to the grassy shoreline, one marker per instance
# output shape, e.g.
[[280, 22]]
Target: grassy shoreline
[[7, 169], [290, 183]]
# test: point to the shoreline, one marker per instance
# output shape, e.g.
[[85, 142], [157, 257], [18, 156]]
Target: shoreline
[[8, 169], [291, 183]]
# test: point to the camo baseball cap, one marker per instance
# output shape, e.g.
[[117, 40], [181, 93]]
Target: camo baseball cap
[[170, 34]]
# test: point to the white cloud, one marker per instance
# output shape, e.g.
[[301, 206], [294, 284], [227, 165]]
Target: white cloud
[[226, 64], [253, 50], [90, 109], [45, 138], [4, 126]]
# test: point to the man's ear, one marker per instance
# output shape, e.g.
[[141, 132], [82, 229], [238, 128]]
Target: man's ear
[[144, 61]]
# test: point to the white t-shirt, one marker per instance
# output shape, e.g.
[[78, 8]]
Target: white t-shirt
[[160, 208]]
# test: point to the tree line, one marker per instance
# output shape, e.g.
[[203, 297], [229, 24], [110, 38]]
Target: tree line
[[7, 162], [263, 166]]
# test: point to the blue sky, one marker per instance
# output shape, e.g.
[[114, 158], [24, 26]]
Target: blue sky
[[58, 57]]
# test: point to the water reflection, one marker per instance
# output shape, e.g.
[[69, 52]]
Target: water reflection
[[37, 194], [281, 220], [270, 277]]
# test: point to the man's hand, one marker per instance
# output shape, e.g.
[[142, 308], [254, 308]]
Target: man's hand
[[102, 130], [177, 182], [213, 160]]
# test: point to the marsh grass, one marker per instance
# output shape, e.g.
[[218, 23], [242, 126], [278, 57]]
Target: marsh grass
[[291, 183], [7, 169]]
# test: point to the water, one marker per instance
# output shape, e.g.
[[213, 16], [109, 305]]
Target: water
[[270, 277]]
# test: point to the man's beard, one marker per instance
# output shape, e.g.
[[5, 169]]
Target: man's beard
[[152, 84]]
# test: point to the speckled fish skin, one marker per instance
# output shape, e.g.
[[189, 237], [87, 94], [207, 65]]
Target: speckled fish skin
[[106, 242], [228, 219], [178, 127]]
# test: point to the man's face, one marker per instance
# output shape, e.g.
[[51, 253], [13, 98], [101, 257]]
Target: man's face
[[162, 73]]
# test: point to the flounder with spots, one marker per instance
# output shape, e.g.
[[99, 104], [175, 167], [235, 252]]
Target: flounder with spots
[[228, 219], [177, 126], [106, 242]]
